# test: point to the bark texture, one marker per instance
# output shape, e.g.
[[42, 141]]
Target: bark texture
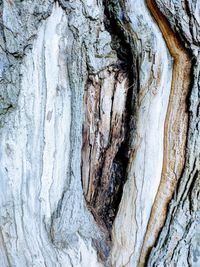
[[99, 133]]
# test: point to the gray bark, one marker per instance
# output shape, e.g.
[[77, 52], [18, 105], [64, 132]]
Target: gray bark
[[99, 133]]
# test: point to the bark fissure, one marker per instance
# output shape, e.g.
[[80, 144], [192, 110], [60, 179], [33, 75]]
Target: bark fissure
[[107, 173], [176, 124], [106, 170], [94, 166]]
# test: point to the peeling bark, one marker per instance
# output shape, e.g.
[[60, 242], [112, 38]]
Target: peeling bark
[[99, 133]]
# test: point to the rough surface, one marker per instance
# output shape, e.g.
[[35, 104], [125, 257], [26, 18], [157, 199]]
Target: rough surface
[[99, 133], [19, 22], [104, 132], [176, 126], [177, 244], [145, 162], [44, 221]]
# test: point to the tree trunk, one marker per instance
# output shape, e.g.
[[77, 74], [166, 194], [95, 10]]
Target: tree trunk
[[99, 133]]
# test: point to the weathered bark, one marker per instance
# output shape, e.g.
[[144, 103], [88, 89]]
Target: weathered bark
[[99, 133]]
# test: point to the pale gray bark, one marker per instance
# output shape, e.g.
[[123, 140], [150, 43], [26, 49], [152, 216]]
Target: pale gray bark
[[99, 133]]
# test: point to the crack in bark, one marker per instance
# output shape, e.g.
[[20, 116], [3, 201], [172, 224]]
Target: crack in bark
[[103, 149], [107, 168], [176, 125]]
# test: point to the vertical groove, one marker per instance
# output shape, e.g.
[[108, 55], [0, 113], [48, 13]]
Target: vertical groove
[[107, 175], [175, 130]]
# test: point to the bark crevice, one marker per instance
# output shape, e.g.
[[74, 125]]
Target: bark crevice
[[107, 169], [176, 124]]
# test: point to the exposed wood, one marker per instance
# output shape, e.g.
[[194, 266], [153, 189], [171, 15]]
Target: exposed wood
[[103, 134], [99, 133], [176, 127]]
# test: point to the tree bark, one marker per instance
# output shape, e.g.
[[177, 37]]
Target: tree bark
[[99, 133]]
